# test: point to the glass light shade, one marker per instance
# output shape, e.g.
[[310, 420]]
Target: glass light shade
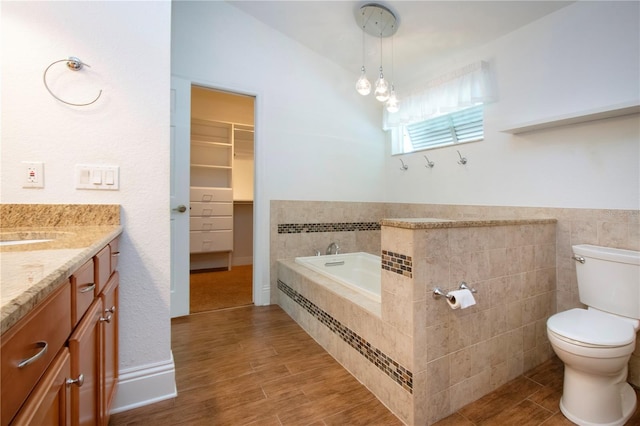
[[382, 89], [393, 104], [362, 85]]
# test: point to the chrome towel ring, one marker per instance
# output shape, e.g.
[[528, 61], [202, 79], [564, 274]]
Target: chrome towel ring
[[74, 64]]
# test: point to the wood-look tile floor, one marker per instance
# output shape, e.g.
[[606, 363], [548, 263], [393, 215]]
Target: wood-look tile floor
[[256, 366]]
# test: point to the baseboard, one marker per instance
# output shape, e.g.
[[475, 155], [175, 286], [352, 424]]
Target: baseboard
[[145, 385], [242, 260]]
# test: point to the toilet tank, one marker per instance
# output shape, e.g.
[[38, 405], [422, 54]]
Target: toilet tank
[[609, 279]]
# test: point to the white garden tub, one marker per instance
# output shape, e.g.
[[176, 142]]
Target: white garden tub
[[358, 271]]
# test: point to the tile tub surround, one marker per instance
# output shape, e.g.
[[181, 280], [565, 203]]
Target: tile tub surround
[[461, 355], [30, 272], [605, 227], [454, 357], [350, 328]]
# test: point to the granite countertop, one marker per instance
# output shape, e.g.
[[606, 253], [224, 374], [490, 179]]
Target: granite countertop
[[435, 223], [30, 272]]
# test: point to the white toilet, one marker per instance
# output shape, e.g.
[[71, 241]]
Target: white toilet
[[595, 344]]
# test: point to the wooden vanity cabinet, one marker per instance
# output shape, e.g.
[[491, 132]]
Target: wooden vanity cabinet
[[73, 381], [29, 347]]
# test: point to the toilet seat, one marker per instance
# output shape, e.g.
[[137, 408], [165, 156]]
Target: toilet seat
[[590, 328]]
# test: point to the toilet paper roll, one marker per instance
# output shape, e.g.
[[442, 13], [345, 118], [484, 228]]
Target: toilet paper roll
[[461, 299]]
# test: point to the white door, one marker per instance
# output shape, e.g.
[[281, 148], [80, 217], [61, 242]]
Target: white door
[[180, 151]]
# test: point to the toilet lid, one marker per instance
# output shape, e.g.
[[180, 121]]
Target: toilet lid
[[595, 328]]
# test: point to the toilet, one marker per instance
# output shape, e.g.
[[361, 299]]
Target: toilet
[[596, 343]]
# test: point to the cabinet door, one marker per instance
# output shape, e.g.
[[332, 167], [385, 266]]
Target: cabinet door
[[84, 345], [49, 403], [110, 345]]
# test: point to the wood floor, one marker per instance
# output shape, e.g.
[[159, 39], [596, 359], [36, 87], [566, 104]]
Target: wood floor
[[256, 366], [209, 291]]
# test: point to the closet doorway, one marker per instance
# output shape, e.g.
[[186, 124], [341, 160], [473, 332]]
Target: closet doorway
[[221, 200]]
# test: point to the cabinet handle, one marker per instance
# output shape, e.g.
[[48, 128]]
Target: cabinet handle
[[78, 382], [115, 254], [106, 319], [111, 310], [40, 344], [88, 288]]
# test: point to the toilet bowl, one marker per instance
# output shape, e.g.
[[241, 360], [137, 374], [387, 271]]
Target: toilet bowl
[[595, 348], [596, 343]]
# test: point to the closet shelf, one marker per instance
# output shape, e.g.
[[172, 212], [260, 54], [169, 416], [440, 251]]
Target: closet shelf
[[608, 111], [208, 166]]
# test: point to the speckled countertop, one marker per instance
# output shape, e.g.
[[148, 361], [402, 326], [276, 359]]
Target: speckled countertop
[[29, 272], [435, 223]]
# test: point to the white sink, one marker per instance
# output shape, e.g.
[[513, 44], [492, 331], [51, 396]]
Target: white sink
[[19, 242]]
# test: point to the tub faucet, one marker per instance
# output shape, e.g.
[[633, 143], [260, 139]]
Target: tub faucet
[[333, 249]]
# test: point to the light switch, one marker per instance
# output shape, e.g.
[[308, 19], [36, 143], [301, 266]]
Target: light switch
[[108, 177], [97, 176]]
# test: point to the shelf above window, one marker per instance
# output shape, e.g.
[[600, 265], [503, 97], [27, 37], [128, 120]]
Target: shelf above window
[[609, 111]]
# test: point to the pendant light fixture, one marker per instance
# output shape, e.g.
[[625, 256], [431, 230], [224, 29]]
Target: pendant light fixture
[[377, 20], [362, 85]]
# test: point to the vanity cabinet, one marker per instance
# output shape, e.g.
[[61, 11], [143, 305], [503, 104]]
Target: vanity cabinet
[[60, 362], [29, 347]]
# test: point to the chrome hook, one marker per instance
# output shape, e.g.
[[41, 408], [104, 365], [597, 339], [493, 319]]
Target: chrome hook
[[74, 64], [404, 166], [429, 164], [463, 160]]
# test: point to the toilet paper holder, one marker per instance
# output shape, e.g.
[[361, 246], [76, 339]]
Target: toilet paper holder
[[438, 293]]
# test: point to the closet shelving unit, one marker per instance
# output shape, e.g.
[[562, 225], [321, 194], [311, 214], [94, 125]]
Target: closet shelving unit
[[211, 192]]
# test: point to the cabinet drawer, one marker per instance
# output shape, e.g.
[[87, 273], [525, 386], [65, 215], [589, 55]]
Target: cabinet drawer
[[102, 268], [208, 194], [114, 245], [50, 402], [83, 290], [208, 241], [210, 223], [48, 324], [211, 209]]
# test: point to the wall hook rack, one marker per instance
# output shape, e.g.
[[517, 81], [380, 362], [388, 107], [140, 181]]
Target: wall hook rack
[[404, 166], [429, 164], [463, 160], [74, 64]]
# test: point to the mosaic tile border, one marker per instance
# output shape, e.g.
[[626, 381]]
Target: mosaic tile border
[[398, 263], [299, 228], [385, 363]]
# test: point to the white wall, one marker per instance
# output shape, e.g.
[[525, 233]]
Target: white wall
[[315, 139], [321, 140], [583, 56], [127, 46]]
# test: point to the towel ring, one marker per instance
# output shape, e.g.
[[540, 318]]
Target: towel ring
[[74, 64]]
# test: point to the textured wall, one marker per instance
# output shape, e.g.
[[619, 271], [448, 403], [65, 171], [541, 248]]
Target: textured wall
[[127, 126]]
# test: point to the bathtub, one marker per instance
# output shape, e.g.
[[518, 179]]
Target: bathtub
[[358, 271]]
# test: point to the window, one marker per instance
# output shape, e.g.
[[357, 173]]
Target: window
[[466, 125]]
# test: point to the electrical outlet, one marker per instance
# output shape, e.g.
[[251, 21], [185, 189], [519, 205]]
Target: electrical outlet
[[33, 174]]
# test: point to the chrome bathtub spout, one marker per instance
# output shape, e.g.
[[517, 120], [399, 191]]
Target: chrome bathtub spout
[[333, 249]]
